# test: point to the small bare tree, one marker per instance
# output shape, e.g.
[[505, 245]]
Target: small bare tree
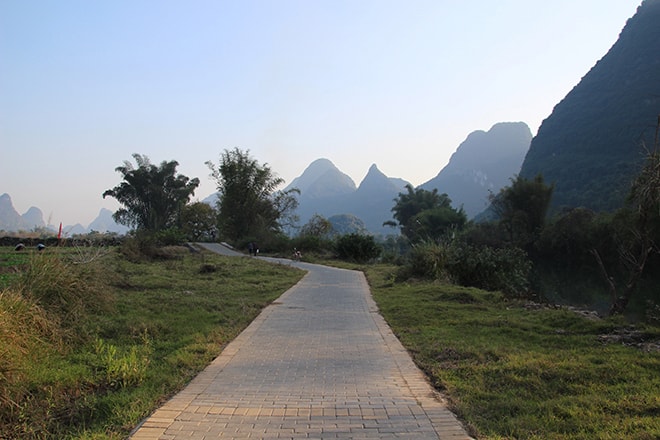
[[634, 251]]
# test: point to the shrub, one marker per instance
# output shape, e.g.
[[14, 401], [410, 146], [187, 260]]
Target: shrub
[[503, 269], [148, 245], [425, 260], [356, 247], [170, 237], [138, 246]]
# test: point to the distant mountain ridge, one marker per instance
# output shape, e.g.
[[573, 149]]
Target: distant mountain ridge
[[12, 221], [482, 164], [323, 179], [9, 219], [327, 191], [590, 146], [484, 161]]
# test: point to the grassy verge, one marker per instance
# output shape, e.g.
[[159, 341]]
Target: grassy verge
[[10, 264], [160, 323], [519, 371]]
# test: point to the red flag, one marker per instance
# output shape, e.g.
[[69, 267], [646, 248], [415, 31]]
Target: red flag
[[59, 234]]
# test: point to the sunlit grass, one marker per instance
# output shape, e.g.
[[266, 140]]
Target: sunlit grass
[[518, 371], [161, 323], [510, 370]]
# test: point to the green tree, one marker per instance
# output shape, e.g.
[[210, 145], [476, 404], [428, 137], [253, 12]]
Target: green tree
[[566, 242], [314, 236], [198, 221], [248, 204], [317, 226], [424, 215], [151, 196], [437, 222], [357, 247], [522, 208]]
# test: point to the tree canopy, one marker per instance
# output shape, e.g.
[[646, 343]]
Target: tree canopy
[[424, 214], [198, 221], [151, 196], [248, 203], [522, 207]]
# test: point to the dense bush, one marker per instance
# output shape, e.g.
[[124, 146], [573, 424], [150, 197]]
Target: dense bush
[[503, 269], [170, 237], [149, 245], [426, 260], [356, 247]]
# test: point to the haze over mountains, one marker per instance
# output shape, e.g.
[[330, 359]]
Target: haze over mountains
[[590, 148], [483, 163], [326, 191], [33, 219]]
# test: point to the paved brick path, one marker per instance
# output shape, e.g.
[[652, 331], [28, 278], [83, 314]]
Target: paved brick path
[[319, 363]]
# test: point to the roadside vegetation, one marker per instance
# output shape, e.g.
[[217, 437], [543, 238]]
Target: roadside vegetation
[[90, 349], [515, 369], [535, 325]]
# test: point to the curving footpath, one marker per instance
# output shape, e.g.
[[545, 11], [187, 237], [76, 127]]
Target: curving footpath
[[318, 363]]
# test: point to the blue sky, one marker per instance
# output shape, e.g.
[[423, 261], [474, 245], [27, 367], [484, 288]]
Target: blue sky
[[84, 85]]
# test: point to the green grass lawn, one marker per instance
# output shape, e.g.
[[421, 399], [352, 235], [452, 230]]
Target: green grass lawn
[[513, 370], [10, 262]]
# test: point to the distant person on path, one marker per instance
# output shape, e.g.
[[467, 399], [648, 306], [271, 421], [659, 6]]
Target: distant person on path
[[250, 248]]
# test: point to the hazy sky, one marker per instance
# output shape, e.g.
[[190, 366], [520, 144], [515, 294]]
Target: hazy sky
[[85, 84]]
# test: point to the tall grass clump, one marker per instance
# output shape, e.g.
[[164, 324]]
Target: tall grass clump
[[67, 292], [122, 368], [28, 338], [46, 313]]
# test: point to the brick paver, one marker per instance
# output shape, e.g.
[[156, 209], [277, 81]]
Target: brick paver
[[318, 363]]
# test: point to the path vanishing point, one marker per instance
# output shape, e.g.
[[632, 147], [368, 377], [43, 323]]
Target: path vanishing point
[[318, 363]]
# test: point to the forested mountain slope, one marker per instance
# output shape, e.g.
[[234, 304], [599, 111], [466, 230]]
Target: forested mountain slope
[[590, 147], [482, 165]]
